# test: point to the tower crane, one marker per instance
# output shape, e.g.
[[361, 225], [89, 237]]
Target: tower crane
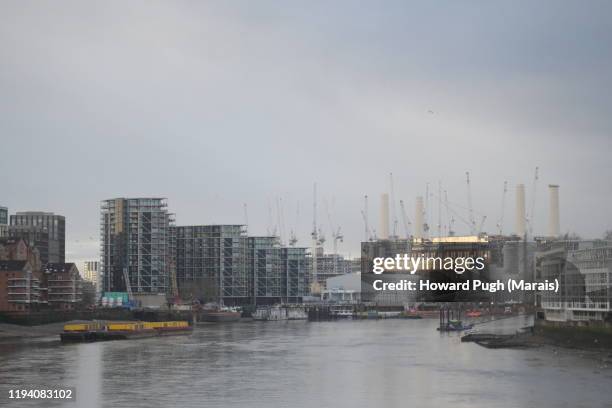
[[450, 218], [470, 209], [405, 219], [246, 217], [500, 224], [393, 209], [482, 221], [293, 238], [315, 288], [364, 214], [336, 236]]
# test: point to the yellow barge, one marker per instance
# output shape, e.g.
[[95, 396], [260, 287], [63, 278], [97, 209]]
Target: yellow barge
[[103, 331]]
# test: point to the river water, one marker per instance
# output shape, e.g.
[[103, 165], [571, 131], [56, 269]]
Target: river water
[[385, 363]]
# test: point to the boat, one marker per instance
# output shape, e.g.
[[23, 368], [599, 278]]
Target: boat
[[104, 331], [216, 313]]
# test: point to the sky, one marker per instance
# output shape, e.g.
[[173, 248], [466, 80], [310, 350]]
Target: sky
[[215, 105]]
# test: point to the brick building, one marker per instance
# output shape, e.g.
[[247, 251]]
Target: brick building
[[64, 286], [19, 287]]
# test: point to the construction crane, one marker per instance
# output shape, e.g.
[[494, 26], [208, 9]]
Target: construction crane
[[500, 224], [439, 208], [531, 215], [293, 238], [393, 209], [449, 217], [246, 217], [315, 288], [364, 214], [128, 286], [270, 230], [280, 220], [482, 221], [368, 235], [405, 219], [470, 209], [426, 215], [336, 236]]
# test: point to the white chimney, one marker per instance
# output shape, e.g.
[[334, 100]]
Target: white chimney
[[521, 222], [384, 216], [553, 211], [418, 218]]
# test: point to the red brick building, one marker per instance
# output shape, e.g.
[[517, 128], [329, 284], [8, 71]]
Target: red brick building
[[26, 286], [19, 287]]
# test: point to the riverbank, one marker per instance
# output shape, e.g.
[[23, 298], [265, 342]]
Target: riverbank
[[582, 335], [10, 332]]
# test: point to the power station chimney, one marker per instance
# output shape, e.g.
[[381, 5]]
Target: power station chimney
[[418, 218], [553, 211], [521, 221], [384, 216]]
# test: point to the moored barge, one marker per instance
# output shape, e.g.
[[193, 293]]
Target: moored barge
[[104, 331]]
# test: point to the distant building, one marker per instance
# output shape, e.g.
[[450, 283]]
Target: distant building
[[136, 246], [3, 222], [343, 289], [46, 231], [3, 215], [90, 271], [330, 265], [90, 274], [64, 286]]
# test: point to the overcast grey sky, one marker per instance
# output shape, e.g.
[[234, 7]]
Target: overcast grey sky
[[214, 104]]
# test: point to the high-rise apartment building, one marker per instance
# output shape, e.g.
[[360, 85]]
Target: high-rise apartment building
[[136, 246]]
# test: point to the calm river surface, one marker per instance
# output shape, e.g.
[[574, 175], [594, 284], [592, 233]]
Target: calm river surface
[[386, 363]]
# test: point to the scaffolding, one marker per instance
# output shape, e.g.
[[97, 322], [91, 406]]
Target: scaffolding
[[135, 238]]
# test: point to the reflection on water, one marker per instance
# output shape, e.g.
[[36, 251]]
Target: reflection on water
[[391, 363]]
